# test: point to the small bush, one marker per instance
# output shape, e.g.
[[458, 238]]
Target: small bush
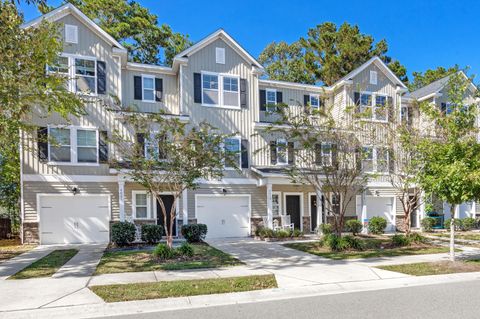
[[468, 223], [326, 229], [151, 234], [266, 233], [376, 225], [400, 240], [349, 242], [354, 226], [185, 250], [123, 233], [162, 251], [259, 230], [282, 233], [332, 241], [458, 224], [417, 238], [428, 223], [297, 233], [194, 233]]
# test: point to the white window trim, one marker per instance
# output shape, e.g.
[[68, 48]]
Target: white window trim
[[373, 106], [282, 140], [329, 212], [279, 194], [72, 75], [330, 155], [134, 205], [240, 150], [73, 145], [317, 96], [268, 106], [147, 76], [372, 72], [76, 33], [220, 91], [217, 60], [375, 160]]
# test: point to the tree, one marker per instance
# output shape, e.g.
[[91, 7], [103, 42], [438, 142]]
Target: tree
[[135, 28], [286, 62], [421, 79], [25, 87], [176, 158], [328, 154], [451, 152], [332, 52]]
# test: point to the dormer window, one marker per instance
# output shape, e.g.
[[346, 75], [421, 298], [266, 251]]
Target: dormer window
[[220, 55], [373, 77], [71, 33]]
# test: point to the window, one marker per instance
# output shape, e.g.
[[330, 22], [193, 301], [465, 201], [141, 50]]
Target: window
[[210, 89], [375, 159], [275, 204], [314, 101], [271, 100], [373, 77], [233, 150], [87, 146], [59, 145], [141, 205], [282, 151], [231, 93], [374, 106], [446, 108], [71, 33], [85, 75], [336, 204], [380, 107], [326, 153], [220, 55], [74, 145], [60, 66], [148, 88]]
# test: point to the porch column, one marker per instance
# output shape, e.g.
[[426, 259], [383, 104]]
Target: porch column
[[364, 214], [121, 199], [319, 208], [421, 209], [185, 207], [269, 206], [473, 211], [457, 211]]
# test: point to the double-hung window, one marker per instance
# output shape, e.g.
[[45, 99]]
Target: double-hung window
[[141, 205], [315, 101], [336, 204], [210, 90], [375, 159], [271, 99], [374, 106], [282, 151], [326, 153], [148, 88], [220, 90], [367, 160], [232, 147], [275, 204], [366, 103], [231, 92], [380, 108], [75, 145], [81, 72]]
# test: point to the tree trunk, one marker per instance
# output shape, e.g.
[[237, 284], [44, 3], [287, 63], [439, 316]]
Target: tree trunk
[[408, 220], [452, 232]]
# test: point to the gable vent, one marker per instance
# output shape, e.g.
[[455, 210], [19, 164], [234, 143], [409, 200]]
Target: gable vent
[[220, 55], [71, 33], [373, 77]]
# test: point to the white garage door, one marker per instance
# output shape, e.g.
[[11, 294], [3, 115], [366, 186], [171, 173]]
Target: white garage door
[[225, 216], [382, 207], [74, 219]]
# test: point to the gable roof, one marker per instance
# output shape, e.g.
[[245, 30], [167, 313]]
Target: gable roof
[[219, 34], [69, 8], [434, 88], [380, 64]]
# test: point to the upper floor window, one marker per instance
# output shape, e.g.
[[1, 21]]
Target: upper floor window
[[220, 55], [282, 151], [271, 99], [81, 72], [232, 147], [373, 77], [73, 145], [373, 105], [148, 88], [376, 159], [220, 90], [314, 101], [326, 153], [153, 148], [446, 108], [336, 201], [71, 33]]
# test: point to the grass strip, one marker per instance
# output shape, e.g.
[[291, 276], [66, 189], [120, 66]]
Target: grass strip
[[46, 266]]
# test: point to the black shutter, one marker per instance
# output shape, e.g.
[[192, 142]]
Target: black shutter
[[318, 154], [243, 93], [279, 97], [263, 100], [306, 100], [273, 152], [291, 153], [244, 153], [390, 109], [158, 90], [356, 100], [358, 158], [443, 108], [137, 87], [101, 77], [42, 144], [103, 147], [141, 143], [197, 87], [391, 161], [334, 154]]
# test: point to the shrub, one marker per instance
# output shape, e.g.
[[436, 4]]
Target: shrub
[[458, 224], [185, 250], [297, 233], [194, 233], [354, 226], [282, 233], [400, 240], [123, 233], [266, 233], [428, 223], [416, 238], [377, 225], [151, 234], [332, 241], [468, 223], [259, 230], [350, 242], [326, 229], [162, 251]]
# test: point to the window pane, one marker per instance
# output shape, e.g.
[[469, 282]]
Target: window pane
[[367, 163], [141, 212], [87, 154], [85, 84], [381, 100], [60, 136], [86, 138], [231, 98], [275, 205], [271, 97], [210, 81], [365, 99], [314, 101], [230, 84], [141, 199], [382, 160], [210, 97], [60, 66], [85, 67], [148, 83], [148, 95], [282, 152], [60, 153], [232, 148]]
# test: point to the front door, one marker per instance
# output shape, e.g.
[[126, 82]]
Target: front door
[[292, 208], [313, 211], [167, 202]]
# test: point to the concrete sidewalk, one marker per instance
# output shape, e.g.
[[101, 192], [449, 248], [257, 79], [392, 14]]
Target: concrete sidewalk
[[15, 264], [84, 263]]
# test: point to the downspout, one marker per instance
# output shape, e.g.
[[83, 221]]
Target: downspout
[[22, 206]]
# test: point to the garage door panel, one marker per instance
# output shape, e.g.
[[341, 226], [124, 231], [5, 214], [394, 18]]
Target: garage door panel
[[381, 207]]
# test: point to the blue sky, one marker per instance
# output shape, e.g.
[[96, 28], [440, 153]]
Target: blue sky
[[421, 34]]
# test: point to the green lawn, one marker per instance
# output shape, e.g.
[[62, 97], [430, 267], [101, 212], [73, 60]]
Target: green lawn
[[467, 236], [46, 266], [373, 248], [205, 256], [10, 248], [435, 268], [181, 288]]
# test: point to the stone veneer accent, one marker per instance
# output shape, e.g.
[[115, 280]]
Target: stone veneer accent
[[400, 221], [30, 233]]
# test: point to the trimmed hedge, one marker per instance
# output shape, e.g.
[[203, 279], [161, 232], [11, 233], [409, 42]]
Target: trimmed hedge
[[194, 233], [151, 234], [354, 226], [376, 225], [123, 233]]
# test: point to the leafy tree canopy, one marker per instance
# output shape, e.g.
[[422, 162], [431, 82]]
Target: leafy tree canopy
[[135, 27], [421, 79]]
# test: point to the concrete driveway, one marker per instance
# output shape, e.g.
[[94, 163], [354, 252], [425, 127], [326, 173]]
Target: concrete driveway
[[294, 268]]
